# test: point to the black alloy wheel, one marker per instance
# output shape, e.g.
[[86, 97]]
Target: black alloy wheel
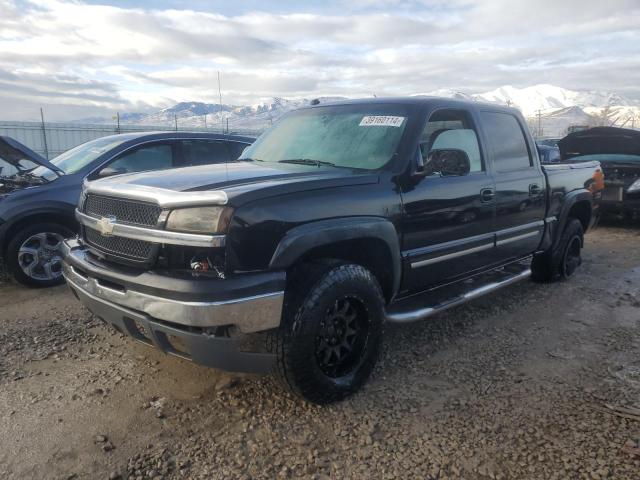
[[342, 339]]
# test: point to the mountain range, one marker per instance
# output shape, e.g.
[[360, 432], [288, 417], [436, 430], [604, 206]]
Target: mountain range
[[550, 110]]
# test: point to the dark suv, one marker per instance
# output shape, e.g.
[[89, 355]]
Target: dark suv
[[37, 204]]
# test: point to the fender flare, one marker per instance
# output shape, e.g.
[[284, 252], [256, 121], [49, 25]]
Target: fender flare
[[16, 219], [570, 200], [303, 238]]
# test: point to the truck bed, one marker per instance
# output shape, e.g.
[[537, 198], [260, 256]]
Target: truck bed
[[563, 178]]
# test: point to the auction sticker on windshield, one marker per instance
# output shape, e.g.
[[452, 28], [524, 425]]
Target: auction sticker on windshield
[[381, 121]]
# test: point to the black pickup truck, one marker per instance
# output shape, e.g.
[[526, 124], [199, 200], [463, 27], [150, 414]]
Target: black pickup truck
[[338, 219]]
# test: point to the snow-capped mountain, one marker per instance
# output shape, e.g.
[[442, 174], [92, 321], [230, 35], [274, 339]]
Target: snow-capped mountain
[[236, 117], [550, 97], [550, 110]]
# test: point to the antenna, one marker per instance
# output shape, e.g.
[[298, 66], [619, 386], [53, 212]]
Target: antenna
[[226, 163], [220, 97]]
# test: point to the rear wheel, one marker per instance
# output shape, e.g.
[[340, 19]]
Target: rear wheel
[[33, 254], [331, 332], [563, 261]]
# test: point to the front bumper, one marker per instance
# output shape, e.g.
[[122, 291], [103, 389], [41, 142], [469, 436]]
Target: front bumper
[[175, 314], [624, 207]]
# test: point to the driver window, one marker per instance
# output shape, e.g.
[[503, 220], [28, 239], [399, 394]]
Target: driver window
[[451, 129], [146, 157]]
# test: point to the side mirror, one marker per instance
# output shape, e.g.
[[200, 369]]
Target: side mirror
[[447, 162], [110, 171]]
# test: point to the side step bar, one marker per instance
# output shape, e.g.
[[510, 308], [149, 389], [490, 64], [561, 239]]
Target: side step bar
[[427, 311]]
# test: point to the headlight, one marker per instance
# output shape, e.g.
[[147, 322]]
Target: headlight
[[200, 220], [634, 187]]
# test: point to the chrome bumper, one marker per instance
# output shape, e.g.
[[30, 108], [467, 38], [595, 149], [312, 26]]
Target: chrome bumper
[[249, 314]]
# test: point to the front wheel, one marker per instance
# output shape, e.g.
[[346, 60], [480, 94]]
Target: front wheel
[[331, 332], [33, 254]]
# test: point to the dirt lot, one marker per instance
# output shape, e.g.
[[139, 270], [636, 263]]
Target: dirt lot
[[521, 384]]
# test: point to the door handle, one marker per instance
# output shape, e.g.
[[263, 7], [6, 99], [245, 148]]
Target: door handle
[[487, 194], [534, 189]]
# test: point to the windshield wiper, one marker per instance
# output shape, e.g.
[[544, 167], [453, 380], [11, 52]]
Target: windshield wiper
[[308, 161], [249, 159]]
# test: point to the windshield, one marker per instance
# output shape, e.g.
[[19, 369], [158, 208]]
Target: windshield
[[606, 157], [77, 158], [349, 136]]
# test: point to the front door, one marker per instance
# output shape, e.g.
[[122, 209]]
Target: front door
[[448, 220]]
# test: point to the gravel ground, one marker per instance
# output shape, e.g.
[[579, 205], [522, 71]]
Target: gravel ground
[[535, 381]]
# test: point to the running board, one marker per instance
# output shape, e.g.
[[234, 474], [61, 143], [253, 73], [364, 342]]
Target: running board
[[407, 315]]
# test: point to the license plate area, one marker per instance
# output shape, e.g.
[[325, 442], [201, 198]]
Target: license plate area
[[612, 194]]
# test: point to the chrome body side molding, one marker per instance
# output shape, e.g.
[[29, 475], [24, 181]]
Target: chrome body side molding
[[478, 243], [449, 256]]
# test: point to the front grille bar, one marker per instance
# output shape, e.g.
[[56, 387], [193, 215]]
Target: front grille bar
[[124, 211], [152, 235]]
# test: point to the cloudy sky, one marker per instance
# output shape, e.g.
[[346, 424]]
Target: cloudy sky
[[78, 59]]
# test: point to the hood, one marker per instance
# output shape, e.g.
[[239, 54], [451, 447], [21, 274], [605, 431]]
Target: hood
[[600, 140], [13, 152], [236, 182]]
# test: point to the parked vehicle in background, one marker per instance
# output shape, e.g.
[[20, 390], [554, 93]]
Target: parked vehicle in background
[[15, 158], [548, 154], [549, 142], [337, 219], [38, 197], [618, 151]]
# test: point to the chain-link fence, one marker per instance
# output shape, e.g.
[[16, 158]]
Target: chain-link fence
[[52, 139]]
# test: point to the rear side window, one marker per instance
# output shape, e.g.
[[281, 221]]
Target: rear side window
[[204, 152], [507, 142]]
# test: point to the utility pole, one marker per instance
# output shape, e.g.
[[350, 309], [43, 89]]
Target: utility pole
[[44, 135], [175, 119], [118, 116], [227, 125], [205, 121], [220, 97], [539, 113]]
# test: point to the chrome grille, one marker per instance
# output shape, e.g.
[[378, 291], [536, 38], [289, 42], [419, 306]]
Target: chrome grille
[[124, 211], [128, 248]]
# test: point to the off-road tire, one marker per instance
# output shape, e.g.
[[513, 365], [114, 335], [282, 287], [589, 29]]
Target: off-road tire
[[313, 290], [552, 264], [13, 247]]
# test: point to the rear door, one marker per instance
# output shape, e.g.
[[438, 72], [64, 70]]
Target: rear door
[[448, 220], [520, 186]]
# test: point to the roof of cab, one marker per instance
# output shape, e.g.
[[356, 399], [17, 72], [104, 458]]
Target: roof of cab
[[420, 100]]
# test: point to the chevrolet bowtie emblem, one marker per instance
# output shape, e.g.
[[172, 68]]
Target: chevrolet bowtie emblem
[[105, 226]]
